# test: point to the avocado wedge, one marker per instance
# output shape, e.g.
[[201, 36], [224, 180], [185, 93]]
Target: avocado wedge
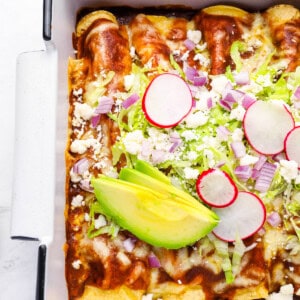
[[134, 176], [152, 171], [156, 218]]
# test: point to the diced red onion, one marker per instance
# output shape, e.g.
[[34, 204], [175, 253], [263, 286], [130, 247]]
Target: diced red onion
[[130, 100], [194, 103], [261, 160], [190, 73], [95, 120], [153, 261], [129, 244], [85, 185], [225, 105], [242, 78], [220, 164], [104, 106], [175, 140], [255, 174], [174, 147], [297, 93], [222, 133], [190, 45], [247, 101], [265, 177], [81, 166], [158, 156], [228, 100], [229, 97], [243, 172], [238, 149], [209, 103], [146, 148], [237, 95], [174, 136], [228, 87], [274, 219], [200, 80]]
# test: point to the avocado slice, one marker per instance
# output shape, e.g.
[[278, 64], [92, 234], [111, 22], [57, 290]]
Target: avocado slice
[[153, 217], [152, 171], [137, 177]]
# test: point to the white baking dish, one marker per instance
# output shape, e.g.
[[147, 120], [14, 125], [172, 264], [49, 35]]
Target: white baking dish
[[64, 16]]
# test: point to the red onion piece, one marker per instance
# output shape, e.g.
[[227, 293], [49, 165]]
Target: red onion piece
[[209, 103], [95, 120], [176, 140], [247, 101], [243, 172], [274, 219], [174, 147], [104, 106], [130, 100], [230, 98], [238, 149], [158, 156], [200, 80], [255, 174], [190, 45], [265, 177], [85, 185], [190, 73], [297, 93], [220, 164], [153, 261], [146, 148], [174, 136], [194, 103], [242, 78], [261, 160], [228, 87], [225, 105], [81, 166], [129, 244], [222, 133]]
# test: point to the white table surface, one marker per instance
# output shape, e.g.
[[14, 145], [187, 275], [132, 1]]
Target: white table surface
[[20, 30]]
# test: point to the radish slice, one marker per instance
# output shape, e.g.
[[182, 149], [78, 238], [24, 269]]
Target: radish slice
[[266, 125], [292, 145], [216, 188], [167, 100], [241, 219]]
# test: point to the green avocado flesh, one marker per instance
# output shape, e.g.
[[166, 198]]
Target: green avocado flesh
[[154, 217], [151, 171], [139, 178]]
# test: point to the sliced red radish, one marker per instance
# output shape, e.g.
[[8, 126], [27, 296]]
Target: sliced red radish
[[243, 218], [266, 125], [216, 188], [167, 100], [292, 145]]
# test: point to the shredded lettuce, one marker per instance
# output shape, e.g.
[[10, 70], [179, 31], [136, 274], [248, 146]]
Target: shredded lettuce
[[236, 49], [96, 89], [222, 251], [238, 252], [111, 228], [176, 67]]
